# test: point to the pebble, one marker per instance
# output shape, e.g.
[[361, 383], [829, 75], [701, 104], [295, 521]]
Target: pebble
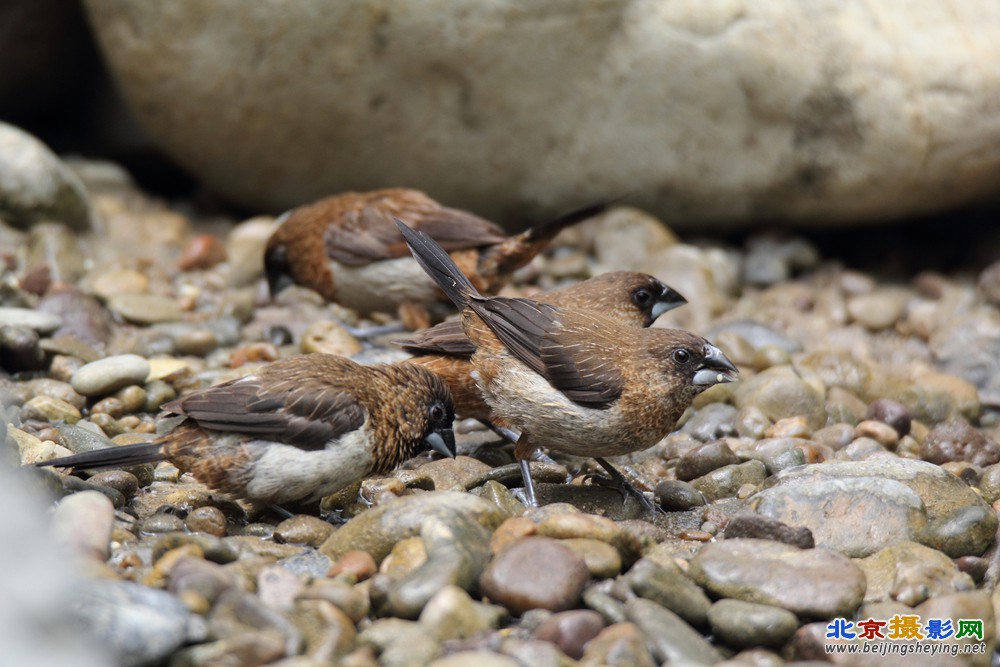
[[208, 520], [452, 614], [55, 409], [303, 529], [911, 573], [789, 427], [571, 630], [618, 645], [244, 650], [814, 582], [857, 508], [672, 640], [83, 523], [666, 585], [121, 480], [714, 421], [835, 436], [105, 376], [725, 482], [146, 308], [956, 440], [161, 523], [56, 389], [780, 392], [677, 496], [764, 528], [36, 320], [704, 459], [879, 309], [358, 564], [329, 337], [890, 412], [112, 281], [477, 658], [201, 252], [602, 559], [778, 454], [401, 643], [535, 573], [20, 349], [747, 624], [965, 605]]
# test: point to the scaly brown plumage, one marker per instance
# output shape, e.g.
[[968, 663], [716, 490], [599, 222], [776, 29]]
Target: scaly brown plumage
[[298, 429]]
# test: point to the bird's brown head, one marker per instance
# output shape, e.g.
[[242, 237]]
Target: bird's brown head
[[418, 418], [629, 297], [689, 363]]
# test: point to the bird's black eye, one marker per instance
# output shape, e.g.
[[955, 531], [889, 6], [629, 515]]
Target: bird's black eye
[[681, 356], [642, 297], [437, 413]]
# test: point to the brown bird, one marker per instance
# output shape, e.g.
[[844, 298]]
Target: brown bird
[[299, 429], [348, 249], [574, 381], [633, 299]]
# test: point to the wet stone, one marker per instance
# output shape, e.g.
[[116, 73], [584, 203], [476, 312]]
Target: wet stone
[[761, 527], [571, 630], [779, 392], [746, 624], [535, 573], [669, 587], [816, 582], [358, 564], [104, 376], [303, 529], [602, 559], [618, 645], [20, 349], [911, 573], [956, 440], [161, 523], [704, 459], [714, 421], [725, 482], [778, 454], [677, 496], [209, 520], [121, 480], [671, 638], [890, 412], [453, 614]]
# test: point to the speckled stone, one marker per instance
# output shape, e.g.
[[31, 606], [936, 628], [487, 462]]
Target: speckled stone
[[746, 624]]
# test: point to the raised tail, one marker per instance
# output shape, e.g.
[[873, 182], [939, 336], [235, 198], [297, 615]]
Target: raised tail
[[110, 457], [438, 265]]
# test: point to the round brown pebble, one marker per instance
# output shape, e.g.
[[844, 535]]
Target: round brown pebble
[[122, 481], [704, 459], [571, 630], [535, 573], [303, 529], [201, 252], [510, 531], [890, 412], [956, 440], [881, 432], [673, 495], [207, 519], [359, 563]]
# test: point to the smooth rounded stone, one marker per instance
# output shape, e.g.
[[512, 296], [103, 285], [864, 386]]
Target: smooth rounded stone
[[618, 645], [672, 640], [201, 252], [457, 552], [863, 449], [107, 375], [310, 563], [890, 412], [83, 523], [109, 424], [20, 349], [378, 529], [499, 495], [36, 185], [965, 471], [444, 474], [452, 614], [757, 335], [510, 531], [726, 481], [751, 422], [244, 650], [329, 337], [704, 459], [989, 483], [56, 389], [835, 436], [988, 284], [278, 587], [479, 658], [400, 643], [569, 525], [112, 281], [911, 573], [158, 392], [746, 624], [880, 501], [55, 409], [208, 520], [161, 523], [602, 559], [36, 320], [618, 232], [779, 392], [813, 582], [121, 480], [84, 319], [571, 630], [666, 585], [358, 564], [215, 549], [168, 368], [965, 605], [789, 427], [248, 546], [677, 496], [974, 566], [303, 529], [245, 246], [879, 309], [146, 308], [956, 440], [760, 527], [714, 421], [969, 347], [139, 625], [535, 573], [196, 342], [778, 454], [208, 580]]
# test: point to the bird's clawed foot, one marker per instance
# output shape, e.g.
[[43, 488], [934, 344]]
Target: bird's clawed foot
[[527, 494], [626, 488]]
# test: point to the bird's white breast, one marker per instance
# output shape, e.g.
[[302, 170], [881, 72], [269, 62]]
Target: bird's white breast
[[382, 286]]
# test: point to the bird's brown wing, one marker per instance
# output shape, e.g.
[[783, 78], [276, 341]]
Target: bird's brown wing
[[447, 338], [367, 232], [295, 404], [569, 349]]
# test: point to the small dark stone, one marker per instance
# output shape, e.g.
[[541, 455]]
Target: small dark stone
[[161, 523], [121, 480], [19, 349], [754, 525], [674, 495], [957, 440], [974, 566], [208, 520], [571, 630], [704, 459], [890, 412]]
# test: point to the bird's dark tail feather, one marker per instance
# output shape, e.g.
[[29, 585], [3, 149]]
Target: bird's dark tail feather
[[126, 455], [548, 230], [438, 265]]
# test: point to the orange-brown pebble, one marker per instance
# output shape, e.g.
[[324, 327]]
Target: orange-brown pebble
[[358, 563], [510, 531], [695, 535], [790, 427], [202, 252], [814, 451], [877, 431], [252, 353]]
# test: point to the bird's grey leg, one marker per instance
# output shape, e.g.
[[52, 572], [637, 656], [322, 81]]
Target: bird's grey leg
[[625, 487]]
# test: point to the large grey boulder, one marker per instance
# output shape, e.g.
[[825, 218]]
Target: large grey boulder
[[715, 113]]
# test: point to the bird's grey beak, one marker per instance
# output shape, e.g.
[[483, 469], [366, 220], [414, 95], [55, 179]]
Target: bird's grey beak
[[442, 441], [669, 300], [715, 368]]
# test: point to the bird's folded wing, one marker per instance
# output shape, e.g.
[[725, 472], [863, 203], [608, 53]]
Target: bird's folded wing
[[369, 233], [446, 338], [301, 411], [567, 349]]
